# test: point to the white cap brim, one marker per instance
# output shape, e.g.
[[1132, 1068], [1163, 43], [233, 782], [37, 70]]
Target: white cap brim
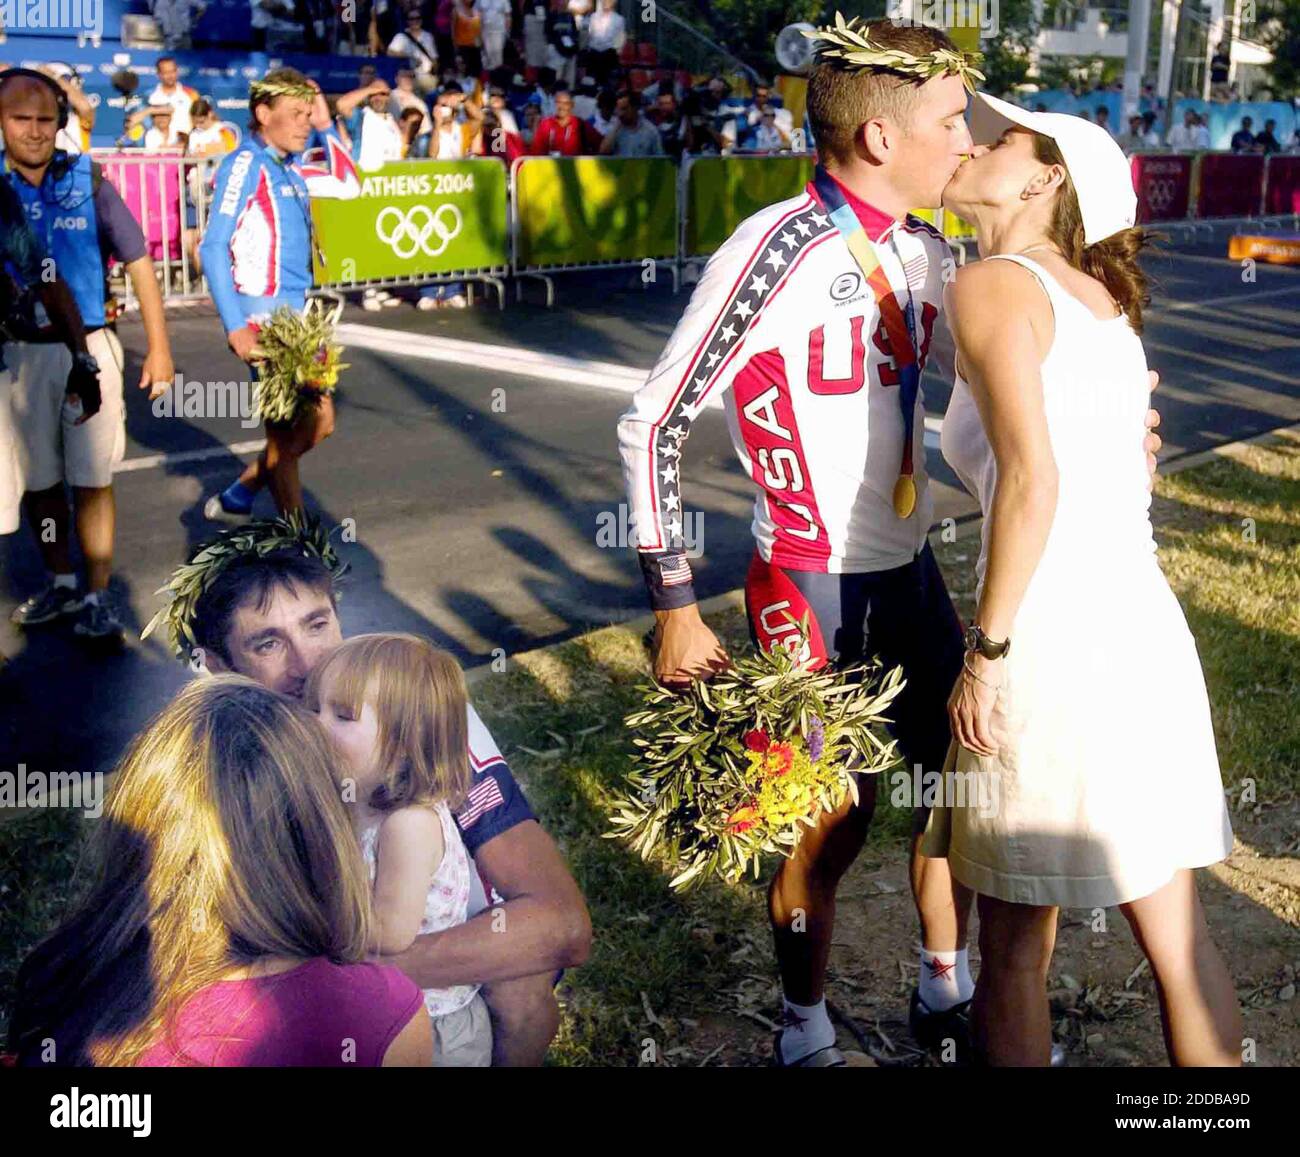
[[1102, 175]]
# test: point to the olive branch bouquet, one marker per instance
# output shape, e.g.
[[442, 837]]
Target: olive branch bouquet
[[738, 767]]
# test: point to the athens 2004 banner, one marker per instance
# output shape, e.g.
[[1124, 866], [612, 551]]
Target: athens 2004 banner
[[414, 218]]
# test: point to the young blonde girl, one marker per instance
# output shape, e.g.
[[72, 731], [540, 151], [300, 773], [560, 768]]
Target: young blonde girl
[[397, 710]]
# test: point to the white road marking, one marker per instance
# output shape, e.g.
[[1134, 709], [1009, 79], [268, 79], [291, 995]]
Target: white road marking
[[614, 376], [149, 461], [1249, 297], [508, 359]]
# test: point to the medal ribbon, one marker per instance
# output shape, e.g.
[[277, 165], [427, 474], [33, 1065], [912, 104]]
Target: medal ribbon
[[900, 325]]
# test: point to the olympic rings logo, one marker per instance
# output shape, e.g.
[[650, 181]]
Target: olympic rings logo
[[1160, 193], [421, 229]]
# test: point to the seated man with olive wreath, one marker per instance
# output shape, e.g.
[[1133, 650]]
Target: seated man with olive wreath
[[262, 603]]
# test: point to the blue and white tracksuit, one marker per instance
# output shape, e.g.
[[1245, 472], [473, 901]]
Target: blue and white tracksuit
[[257, 250]]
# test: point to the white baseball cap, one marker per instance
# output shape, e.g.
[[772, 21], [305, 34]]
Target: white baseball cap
[[1102, 176]]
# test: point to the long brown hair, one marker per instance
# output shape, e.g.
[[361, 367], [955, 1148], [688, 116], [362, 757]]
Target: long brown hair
[[224, 840], [419, 697], [1112, 261]]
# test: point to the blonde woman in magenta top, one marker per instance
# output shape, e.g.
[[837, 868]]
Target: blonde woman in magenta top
[[1081, 717], [397, 710], [230, 922]]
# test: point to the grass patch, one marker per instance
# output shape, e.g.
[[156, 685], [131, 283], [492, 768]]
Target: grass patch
[[39, 855], [558, 716], [1229, 536]]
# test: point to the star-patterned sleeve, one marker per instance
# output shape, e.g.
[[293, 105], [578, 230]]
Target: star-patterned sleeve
[[699, 363]]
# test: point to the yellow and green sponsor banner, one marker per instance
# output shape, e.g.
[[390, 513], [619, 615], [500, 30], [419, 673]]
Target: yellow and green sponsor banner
[[722, 191], [412, 219], [582, 210]]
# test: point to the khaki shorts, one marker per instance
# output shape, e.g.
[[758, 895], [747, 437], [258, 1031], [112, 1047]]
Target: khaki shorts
[[463, 1039], [11, 478], [51, 450]]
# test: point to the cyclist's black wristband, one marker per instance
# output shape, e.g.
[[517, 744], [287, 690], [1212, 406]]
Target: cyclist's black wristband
[[663, 571]]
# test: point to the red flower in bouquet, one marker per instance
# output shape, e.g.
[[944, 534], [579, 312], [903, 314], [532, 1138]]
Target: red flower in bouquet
[[757, 740]]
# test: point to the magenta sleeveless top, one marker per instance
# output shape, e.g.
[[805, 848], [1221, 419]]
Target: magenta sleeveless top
[[319, 1014]]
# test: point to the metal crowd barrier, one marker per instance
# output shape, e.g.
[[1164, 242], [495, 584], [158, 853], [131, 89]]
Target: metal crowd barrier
[[534, 246], [170, 195], [1161, 202]]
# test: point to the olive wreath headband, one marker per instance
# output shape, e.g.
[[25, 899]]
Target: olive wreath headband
[[847, 42], [261, 537], [269, 89]]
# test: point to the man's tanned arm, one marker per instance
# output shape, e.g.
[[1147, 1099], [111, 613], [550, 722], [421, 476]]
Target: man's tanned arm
[[541, 926]]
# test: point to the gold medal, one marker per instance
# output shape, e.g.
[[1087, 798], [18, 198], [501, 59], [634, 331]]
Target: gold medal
[[904, 496]]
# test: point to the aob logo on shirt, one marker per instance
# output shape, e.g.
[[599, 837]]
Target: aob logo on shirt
[[845, 286]]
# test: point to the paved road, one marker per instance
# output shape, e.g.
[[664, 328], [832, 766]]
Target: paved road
[[476, 479]]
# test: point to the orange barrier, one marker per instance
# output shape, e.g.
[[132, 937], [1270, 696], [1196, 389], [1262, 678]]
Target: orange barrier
[[1273, 250]]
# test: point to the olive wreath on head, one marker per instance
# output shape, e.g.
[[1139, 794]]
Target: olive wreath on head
[[261, 537], [270, 89], [847, 42]]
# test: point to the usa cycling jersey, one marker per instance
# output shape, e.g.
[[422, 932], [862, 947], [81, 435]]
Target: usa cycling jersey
[[784, 326], [257, 250]]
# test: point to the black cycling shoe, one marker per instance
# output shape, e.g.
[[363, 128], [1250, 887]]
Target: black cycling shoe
[[934, 1031], [829, 1057]]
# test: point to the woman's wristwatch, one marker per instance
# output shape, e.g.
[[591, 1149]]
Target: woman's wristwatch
[[977, 642]]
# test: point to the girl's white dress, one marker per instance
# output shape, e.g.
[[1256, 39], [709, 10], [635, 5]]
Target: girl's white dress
[[1106, 779], [446, 906]]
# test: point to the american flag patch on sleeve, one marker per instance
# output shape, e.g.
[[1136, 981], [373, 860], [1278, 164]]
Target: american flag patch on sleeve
[[915, 271], [674, 569], [483, 797]]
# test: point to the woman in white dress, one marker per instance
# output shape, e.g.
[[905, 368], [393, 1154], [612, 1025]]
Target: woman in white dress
[[1082, 734]]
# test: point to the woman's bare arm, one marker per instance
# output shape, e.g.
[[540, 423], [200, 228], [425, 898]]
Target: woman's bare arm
[[1002, 323]]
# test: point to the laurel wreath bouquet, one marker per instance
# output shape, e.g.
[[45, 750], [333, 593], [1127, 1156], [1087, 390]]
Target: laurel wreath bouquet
[[737, 768], [298, 360]]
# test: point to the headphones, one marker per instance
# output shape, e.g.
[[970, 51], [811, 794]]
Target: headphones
[[60, 97]]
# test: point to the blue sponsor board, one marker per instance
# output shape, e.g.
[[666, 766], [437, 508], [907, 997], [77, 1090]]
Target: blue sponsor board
[[220, 76]]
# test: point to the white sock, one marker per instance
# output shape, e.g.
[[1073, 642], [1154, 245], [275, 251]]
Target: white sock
[[808, 1030], [65, 582], [92, 598], [945, 979]]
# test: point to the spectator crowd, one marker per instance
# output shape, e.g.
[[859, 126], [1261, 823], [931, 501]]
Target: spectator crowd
[[486, 78]]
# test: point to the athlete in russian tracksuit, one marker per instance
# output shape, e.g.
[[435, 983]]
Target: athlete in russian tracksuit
[[257, 255]]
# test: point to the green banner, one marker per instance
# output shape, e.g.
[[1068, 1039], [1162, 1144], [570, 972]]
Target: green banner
[[722, 191], [414, 218], [580, 210]]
